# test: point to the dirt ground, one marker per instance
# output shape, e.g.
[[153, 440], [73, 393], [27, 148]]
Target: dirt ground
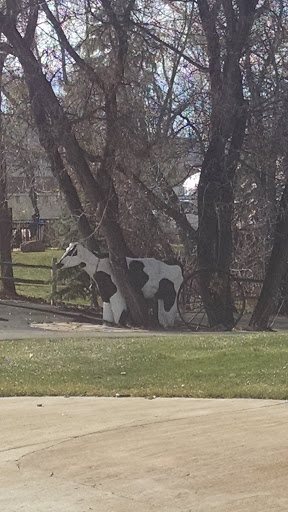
[[21, 319], [132, 454]]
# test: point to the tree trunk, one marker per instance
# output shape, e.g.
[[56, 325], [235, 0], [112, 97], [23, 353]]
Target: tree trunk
[[228, 122], [7, 285], [60, 173], [215, 208], [277, 267]]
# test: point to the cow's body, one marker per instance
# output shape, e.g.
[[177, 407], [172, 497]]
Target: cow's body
[[153, 278]]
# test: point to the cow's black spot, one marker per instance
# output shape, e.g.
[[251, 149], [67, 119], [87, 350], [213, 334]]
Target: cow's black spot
[[166, 292], [101, 255], [137, 277], [105, 284], [123, 317]]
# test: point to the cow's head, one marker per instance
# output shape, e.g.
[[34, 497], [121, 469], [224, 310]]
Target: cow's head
[[72, 256]]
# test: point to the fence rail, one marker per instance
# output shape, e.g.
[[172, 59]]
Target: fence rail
[[47, 267], [52, 281], [25, 281]]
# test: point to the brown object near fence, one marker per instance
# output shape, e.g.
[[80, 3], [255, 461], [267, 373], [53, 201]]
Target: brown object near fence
[[32, 246]]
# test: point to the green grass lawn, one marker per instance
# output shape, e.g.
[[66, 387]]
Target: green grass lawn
[[252, 365]]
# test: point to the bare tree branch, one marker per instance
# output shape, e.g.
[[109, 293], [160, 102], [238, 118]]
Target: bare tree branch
[[91, 72], [31, 25], [170, 46], [6, 49], [208, 18], [121, 30]]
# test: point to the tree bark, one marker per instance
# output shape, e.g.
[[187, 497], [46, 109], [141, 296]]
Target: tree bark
[[228, 122], [60, 173], [276, 269], [7, 285]]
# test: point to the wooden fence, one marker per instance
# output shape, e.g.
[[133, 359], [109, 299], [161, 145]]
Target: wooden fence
[[52, 281]]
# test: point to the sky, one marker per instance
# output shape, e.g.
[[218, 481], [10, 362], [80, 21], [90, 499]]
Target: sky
[[192, 182]]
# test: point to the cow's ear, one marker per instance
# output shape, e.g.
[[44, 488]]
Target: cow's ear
[[73, 251]]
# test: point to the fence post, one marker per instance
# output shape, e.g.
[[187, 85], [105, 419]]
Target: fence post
[[53, 281]]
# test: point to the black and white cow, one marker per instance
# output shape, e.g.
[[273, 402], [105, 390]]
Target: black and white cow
[[154, 278]]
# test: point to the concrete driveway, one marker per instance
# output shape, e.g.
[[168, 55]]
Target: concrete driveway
[[137, 455]]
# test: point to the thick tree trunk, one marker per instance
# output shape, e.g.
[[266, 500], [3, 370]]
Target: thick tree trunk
[[215, 207], [59, 171], [277, 267], [228, 121], [118, 250], [7, 285], [137, 305]]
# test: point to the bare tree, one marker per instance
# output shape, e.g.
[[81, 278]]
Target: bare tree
[[266, 66], [100, 193], [227, 28]]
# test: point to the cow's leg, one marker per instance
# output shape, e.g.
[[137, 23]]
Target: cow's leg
[[162, 315], [166, 318], [167, 305], [118, 307], [108, 313], [111, 297]]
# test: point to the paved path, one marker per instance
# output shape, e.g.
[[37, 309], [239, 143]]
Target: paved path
[[21, 320], [137, 455]]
